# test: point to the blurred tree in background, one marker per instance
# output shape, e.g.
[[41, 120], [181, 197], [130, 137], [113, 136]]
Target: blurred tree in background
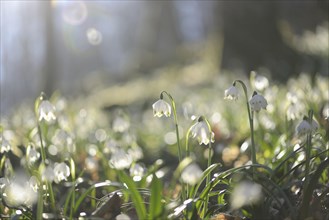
[[73, 46]]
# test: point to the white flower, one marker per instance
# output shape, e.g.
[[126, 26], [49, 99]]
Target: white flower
[[46, 111], [120, 160], [61, 171], [200, 130], [191, 174], [91, 164], [136, 153], [257, 102], [137, 171], [120, 124], [261, 82], [19, 193], [5, 146], [294, 111], [304, 127], [231, 93], [3, 182], [122, 217], [246, 193], [32, 154], [160, 108], [34, 183]]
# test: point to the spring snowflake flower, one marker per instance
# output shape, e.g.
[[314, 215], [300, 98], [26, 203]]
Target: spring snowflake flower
[[32, 154], [261, 82], [46, 111], [257, 102], [34, 183], [137, 171], [200, 130], [191, 174], [246, 193], [122, 216], [19, 193], [5, 146], [304, 127], [3, 182], [120, 124], [61, 171], [160, 108], [120, 160], [232, 93]]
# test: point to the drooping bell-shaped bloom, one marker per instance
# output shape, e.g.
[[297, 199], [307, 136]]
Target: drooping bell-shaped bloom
[[201, 132], [5, 145], [257, 102], [61, 171], [120, 160], [261, 82], [231, 93], [304, 127], [32, 155], [46, 111], [160, 108]]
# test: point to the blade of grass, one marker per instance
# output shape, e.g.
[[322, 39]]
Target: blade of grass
[[91, 188], [204, 175], [134, 193], [304, 208], [155, 208]]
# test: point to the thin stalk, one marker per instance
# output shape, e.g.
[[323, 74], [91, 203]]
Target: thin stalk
[[43, 152], [251, 122], [187, 149], [173, 105], [205, 207], [308, 150], [40, 203], [72, 165]]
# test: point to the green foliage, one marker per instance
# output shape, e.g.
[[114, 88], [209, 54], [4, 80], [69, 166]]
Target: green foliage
[[126, 161]]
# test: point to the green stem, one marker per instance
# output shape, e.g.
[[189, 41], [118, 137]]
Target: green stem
[[40, 203], [251, 122], [308, 150], [173, 105], [43, 152], [176, 123], [209, 164], [72, 165], [187, 147], [51, 195]]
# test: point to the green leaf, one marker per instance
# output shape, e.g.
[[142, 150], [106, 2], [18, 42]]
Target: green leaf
[[204, 175], [135, 195], [304, 208], [155, 208], [91, 188]]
